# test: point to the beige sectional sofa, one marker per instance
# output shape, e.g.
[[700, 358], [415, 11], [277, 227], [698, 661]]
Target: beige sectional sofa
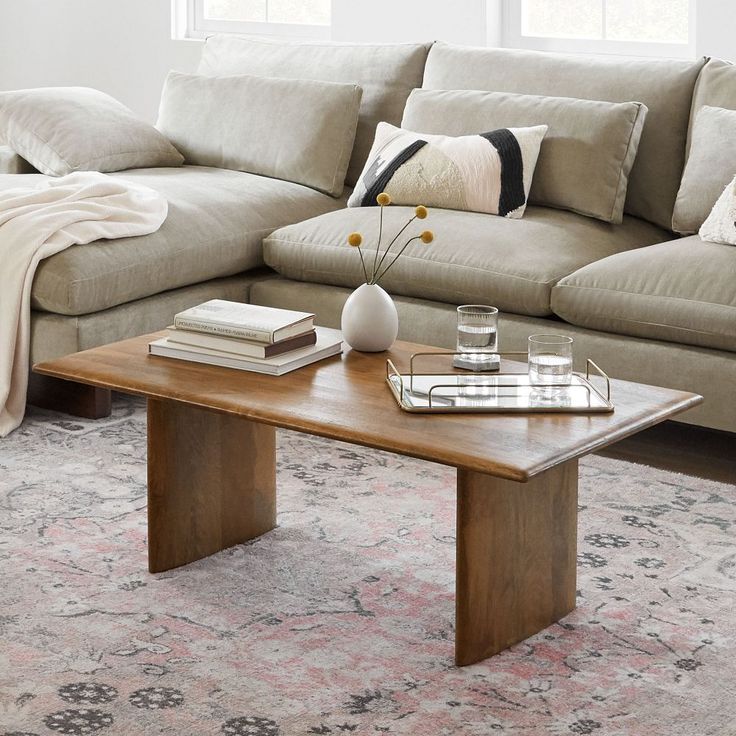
[[645, 303]]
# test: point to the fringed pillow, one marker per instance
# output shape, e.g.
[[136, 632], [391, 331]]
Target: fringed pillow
[[720, 225]]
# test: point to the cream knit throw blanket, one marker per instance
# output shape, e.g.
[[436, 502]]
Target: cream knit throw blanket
[[38, 220]]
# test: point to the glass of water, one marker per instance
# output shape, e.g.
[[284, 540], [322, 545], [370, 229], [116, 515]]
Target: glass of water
[[477, 331], [550, 362]]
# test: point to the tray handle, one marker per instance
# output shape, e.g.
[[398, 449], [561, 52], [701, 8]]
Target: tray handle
[[455, 353], [391, 370], [590, 364], [590, 388]]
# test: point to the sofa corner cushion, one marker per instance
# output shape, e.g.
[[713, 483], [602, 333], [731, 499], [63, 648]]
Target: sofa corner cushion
[[665, 86], [474, 258], [585, 158], [59, 130], [297, 130], [215, 227], [386, 72], [680, 291]]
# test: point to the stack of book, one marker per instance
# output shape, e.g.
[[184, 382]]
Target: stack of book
[[247, 337]]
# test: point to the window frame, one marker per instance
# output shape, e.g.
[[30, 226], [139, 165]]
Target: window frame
[[191, 23], [512, 37]]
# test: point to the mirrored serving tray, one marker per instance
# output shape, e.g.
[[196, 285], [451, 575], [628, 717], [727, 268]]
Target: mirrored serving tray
[[496, 393]]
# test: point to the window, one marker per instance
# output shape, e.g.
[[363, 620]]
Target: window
[[636, 27], [305, 18]]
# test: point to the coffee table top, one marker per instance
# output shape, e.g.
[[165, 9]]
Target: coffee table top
[[346, 398]]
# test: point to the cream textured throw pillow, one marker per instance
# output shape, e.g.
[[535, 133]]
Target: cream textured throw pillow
[[720, 226], [59, 130], [297, 130], [491, 172]]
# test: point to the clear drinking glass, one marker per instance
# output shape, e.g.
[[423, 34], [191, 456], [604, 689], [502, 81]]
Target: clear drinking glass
[[550, 361], [477, 331], [475, 390]]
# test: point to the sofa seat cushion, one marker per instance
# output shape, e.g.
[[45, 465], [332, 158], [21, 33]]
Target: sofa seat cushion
[[475, 258], [682, 291], [215, 227]]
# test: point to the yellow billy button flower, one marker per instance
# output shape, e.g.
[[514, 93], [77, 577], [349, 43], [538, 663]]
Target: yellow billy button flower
[[355, 239], [383, 199], [427, 237], [421, 212]]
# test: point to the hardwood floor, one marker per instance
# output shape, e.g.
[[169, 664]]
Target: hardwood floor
[[681, 448]]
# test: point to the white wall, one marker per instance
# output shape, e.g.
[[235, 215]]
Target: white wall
[[714, 29], [122, 47], [458, 21]]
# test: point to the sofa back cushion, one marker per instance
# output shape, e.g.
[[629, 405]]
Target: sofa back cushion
[[716, 87], [386, 72], [664, 86], [59, 130], [711, 165], [586, 156], [296, 130]]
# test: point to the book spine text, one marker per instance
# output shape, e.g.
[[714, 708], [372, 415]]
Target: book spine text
[[209, 328]]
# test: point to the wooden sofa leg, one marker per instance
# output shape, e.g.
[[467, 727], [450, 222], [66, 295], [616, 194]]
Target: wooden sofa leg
[[69, 397]]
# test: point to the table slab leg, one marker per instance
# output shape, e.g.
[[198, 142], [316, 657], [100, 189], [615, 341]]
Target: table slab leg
[[211, 482], [69, 397], [516, 558]]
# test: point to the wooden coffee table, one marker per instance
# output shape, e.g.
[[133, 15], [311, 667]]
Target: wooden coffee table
[[212, 469]]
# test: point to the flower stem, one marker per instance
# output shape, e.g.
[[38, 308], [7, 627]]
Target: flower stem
[[378, 244], [390, 245], [362, 263], [396, 258]]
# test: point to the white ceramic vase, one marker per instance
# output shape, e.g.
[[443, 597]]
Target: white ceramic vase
[[369, 319]]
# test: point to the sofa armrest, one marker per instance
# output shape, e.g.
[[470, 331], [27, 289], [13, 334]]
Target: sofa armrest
[[12, 163]]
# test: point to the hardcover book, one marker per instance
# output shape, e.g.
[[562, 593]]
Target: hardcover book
[[246, 321], [239, 346], [329, 343]]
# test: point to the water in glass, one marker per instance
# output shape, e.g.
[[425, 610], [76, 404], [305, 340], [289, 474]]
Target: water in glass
[[555, 370], [476, 338], [550, 361], [477, 330]]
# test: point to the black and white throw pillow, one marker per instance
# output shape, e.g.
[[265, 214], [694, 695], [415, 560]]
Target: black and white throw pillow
[[491, 172]]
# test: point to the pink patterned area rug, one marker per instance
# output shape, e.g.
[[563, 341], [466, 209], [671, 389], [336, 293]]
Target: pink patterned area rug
[[341, 620]]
